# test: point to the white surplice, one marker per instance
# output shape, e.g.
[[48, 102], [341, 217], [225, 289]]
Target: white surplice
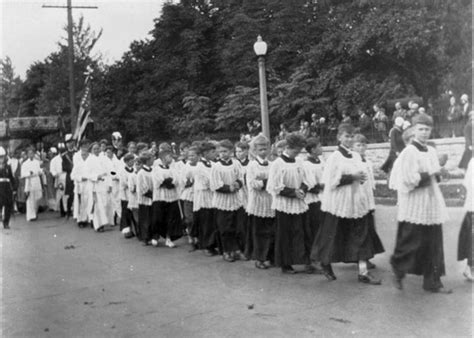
[[82, 189], [101, 185], [56, 169], [31, 172]]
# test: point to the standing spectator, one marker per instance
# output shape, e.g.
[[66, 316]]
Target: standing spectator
[[465, 106], [467, 155], [413, 110], [323, 131], [314, 126], [283, 132], [333, 124], [381, 124], [364, 122], [304, 129], [346, 118], [396, 144], [399, 112], [253, 127], [454, 118]]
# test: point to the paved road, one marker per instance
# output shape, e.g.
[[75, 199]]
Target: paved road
[[106, 286]]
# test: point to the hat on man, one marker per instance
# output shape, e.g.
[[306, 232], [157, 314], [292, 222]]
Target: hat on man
[[53, 150], [116, 135], [68, 138], [423, 119], [2, 151]]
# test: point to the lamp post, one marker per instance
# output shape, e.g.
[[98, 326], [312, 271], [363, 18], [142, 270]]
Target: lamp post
[[260, 48]]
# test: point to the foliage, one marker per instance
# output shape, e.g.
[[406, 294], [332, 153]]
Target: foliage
[[10, 85], [239, 107], [196, 74], [45, 90]]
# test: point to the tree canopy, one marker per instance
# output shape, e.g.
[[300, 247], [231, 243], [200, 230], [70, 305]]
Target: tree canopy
[[196, 75]]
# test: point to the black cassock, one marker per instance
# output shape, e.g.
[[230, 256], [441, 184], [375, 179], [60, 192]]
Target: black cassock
[[67, 168], [7, 186]]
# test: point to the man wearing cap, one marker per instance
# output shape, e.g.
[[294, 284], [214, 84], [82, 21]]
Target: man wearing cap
[[7, 186], [421, 210], [67, 165]]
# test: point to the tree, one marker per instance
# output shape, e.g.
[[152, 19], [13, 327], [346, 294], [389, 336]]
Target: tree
[[240, 107], [197, 73], [10, 89], [45, 89]]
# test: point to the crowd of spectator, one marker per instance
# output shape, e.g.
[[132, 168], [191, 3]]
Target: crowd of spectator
[[376, 124]]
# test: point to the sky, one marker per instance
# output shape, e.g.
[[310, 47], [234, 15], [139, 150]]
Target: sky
[[30, 33]]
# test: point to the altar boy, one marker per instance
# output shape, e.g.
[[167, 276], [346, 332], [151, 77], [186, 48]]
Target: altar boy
[[226, 181], [145, 196]]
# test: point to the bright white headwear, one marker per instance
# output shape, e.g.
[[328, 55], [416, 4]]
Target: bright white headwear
[[464, 97], [53, 150], [116, 135], [399, 121], [68, 138], [414, 106], [406, 125], [2, 151]]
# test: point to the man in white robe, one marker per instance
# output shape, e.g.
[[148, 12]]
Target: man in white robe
[[31, 172], [114, 169], [101, 184], [82, 191]]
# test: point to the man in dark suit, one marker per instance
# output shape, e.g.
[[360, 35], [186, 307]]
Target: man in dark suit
[[68, 163]]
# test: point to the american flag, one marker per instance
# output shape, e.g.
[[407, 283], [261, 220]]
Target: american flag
[[83, 118]]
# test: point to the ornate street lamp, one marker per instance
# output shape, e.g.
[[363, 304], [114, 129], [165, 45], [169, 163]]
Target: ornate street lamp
[[260, 48]]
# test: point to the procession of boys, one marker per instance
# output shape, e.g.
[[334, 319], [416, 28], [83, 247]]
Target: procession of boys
[[280, 206]]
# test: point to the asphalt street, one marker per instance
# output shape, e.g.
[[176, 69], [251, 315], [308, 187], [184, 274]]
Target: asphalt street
[[61, 281]]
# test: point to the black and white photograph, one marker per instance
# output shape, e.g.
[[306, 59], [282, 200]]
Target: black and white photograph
[[236, 168]]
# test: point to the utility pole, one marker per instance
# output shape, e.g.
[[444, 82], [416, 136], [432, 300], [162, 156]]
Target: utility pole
[[70, 42]]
